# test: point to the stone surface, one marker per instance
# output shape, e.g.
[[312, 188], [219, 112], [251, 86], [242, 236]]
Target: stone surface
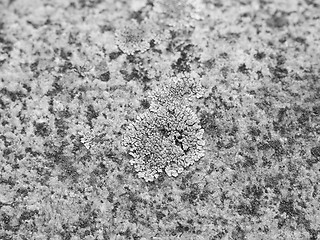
[[69, 89]]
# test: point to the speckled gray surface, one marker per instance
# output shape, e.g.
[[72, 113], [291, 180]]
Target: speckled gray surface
[[75, 74]]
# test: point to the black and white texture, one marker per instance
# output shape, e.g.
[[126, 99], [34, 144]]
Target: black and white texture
[[159, 119]]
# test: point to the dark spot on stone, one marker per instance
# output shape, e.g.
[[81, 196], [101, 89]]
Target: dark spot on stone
[[224, 71], [254, 131], [65, 113], [7, 48], [283, 39], [83, 223], [204, 195], [145, 103], [278, 72], [5, 218], [41, 129], [134, 75], [124, 73], [23, 192], [224, 55], [114, 55], [106, 28], [277, 22], [253, 194], [3, 41], [65, 54], [180, 228], [66, 234], [33, 153], [208, 123], [192, 196], [281, 59], [249, 161], [249, 209], [69, 170], [105, 77], [263, 146], [159, 215], [234, 130], [91, 113], [34, 66], [243, 69], [27, 215], [102, 165], [316, 110], [238, 234], [66, 66], [259, 55], [13, 95], [56, 88], [286, 206], [132, 58], [301, 40], [110, 197], [2, 62], [277, 146], [152, 43], [315, 151], [28, 88], [282, 114], [145, 79], [137, 15], [304, 118], [217, 4], [61, 126], [181, 65], [260, 75], [164, 132]]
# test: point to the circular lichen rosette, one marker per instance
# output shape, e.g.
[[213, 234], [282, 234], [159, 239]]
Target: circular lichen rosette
[[168, 140]]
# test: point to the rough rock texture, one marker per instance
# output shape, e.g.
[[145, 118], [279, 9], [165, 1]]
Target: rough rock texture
[[72, 82]]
